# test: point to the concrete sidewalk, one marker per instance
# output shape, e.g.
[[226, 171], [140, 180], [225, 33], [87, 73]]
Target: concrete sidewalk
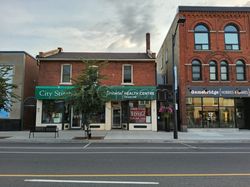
[[76, 136]]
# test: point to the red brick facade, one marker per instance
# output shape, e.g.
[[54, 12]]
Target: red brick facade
[[143, 72], [215, 22], [187, 50]]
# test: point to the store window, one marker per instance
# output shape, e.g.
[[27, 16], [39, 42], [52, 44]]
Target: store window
[[98, 117], [52, 111], [210, 101], [140, 112], [240, 71], [213, 73], [201, 37], [66, 73], [196, 70], [210, 113], [127, 73], [224, 75], [231, 37]]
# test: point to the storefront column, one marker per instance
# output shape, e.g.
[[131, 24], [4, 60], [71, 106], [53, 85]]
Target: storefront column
[[154, 115], [108, 115], [39, 104]]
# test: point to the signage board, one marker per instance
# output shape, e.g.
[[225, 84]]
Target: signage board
[[119, 93], [220, 91], [111, 93], [53, 92]]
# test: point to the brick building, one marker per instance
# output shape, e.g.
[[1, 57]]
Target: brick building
[[23, 73], [212, 54], [129, 75]]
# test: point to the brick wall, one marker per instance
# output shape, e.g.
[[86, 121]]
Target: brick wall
[[216, 23], [143, 72]]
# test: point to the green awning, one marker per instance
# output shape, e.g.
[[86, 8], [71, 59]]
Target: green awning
[[112, 93], [119, 93], [53, 92]]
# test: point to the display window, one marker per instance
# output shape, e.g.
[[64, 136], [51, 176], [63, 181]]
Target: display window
[[140, 111], [52, 111], [212, 112]]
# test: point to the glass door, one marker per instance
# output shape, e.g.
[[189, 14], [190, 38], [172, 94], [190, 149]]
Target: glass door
[[116, 118], [76, 119]]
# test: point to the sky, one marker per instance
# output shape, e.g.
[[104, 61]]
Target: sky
[[90, 25]]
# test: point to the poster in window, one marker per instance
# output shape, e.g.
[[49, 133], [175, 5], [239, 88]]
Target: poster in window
[[138, 115]]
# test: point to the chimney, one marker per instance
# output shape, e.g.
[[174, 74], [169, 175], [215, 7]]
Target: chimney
[[147, 42], [49, 53]]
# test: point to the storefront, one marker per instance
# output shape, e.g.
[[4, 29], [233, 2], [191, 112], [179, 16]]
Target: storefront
[[127, 107], [217, 107]]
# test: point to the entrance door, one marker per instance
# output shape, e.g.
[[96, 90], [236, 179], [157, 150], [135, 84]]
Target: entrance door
[[240, 118], [116, 118], [76, 119], [240, 113]]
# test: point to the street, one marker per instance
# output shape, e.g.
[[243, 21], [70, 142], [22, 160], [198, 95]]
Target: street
[[125, 164]]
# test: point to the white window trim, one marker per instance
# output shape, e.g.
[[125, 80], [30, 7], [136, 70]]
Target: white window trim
[[132, 77], [61, 81]]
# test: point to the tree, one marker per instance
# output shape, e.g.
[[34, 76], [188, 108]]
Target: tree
[[7, 96], [87, 96]]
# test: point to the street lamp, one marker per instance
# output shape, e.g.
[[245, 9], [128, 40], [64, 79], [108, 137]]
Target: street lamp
[[181, 19]]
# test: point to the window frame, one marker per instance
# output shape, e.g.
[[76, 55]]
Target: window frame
[[213, 64], [226, 66], [70, 74], [230, 46], [131, 74], [242, 65], [200, 46], [199, 65]]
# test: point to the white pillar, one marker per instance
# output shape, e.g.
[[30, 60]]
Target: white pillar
[[108, 115], [154, 115], [39, 106]]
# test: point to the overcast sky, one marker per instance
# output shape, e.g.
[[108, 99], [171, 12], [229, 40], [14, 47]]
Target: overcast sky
[[90, 25]]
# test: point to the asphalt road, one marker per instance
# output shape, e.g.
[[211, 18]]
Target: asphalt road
[[122, 165]]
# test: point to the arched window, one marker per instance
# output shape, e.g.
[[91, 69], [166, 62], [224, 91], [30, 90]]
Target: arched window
[[213, 74], [231, 38], [240, 71], [196, 70], [201, 37], [224, 75]]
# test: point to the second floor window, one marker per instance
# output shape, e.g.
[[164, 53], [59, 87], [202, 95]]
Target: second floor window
[[231, 38], [196, 70], [213, 71], [224, 71], [201, 37], [66, 73], [127, 73], [240, 71]]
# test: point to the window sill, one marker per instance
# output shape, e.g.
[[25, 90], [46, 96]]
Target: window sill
[[231, 50], [202, 50], [241, 81], [65, 83], [127, 84]]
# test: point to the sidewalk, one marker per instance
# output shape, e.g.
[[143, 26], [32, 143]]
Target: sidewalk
[[123, 136]]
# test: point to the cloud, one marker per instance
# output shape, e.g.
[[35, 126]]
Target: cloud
[[134, 21], [248, 3]]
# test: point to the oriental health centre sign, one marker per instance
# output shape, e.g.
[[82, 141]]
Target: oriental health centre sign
[[112, 93], [121, 93]]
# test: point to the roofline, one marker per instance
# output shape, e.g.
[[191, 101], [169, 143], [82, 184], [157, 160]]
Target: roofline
[[74, 59], [23, 52], [212, 9]]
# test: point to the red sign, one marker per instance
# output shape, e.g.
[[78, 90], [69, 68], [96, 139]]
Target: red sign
[[138, 115]]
